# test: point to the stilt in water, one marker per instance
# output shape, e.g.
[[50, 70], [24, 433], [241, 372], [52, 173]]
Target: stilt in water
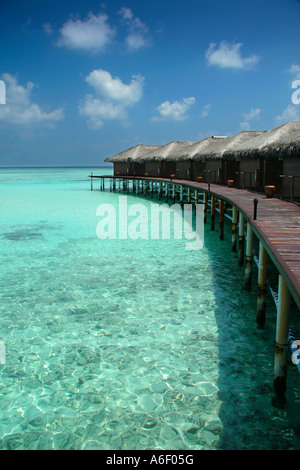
[[221, 219], [241, 239], [234, 228], [205, 207], [249, 257], [91, 181], [159, 190], [281, 344], [167, 191], [262, 286], [189, 195], [196, 199], [212, 213]]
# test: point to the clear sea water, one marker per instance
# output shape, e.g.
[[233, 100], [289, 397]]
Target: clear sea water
[[127, 344]]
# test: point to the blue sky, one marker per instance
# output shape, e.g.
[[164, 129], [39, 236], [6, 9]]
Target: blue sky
[[87, 79]]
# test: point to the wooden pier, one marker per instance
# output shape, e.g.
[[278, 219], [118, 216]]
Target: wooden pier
[[275, 223]]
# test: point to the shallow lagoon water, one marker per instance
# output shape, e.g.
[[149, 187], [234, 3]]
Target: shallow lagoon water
[[127, 344]]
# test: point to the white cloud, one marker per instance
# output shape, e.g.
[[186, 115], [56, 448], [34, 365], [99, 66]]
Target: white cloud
[[229, 56], [93, 34], [175, 111], [138, 33], [253, 114], [112, 98], [20, 111], [291, 113], [295, 71], [114, 89], [205, 110]]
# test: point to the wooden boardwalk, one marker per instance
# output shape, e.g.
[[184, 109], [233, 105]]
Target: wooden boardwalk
[[277, 224]]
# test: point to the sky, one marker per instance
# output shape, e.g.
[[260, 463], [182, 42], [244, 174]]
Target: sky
[[84, 80]]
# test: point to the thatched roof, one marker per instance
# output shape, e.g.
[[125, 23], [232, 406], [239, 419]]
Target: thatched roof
[[215, 148], [196, 150], [210, 148], [169, 152], [283, 140], [135, 153]]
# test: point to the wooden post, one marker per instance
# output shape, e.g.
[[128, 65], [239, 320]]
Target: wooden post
[[91, 181], [212, 213], [189, 195], [281, 344], [262, 286], [205, 207], [241, 239], [249, 256], [151, 188], [181, 195], [167, 191], [234, 228], [221, 219], [196, 196], [160, 190]]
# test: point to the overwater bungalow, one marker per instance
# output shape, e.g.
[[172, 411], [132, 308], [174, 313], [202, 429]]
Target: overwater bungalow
[[271, 158], [252, 159], [166, 161], [186, 161], [206, 157], [221, 168], [130, 161]]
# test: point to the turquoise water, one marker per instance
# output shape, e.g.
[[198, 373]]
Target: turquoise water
[[126, 344]]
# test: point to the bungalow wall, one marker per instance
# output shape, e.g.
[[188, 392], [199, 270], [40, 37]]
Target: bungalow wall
[[291, 167], [168, 168], [249, 171], [273, 168], [153, 168], [137, 169], [122, 168], [198, 168], [231, 170], [213, 171], [184, 170]]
